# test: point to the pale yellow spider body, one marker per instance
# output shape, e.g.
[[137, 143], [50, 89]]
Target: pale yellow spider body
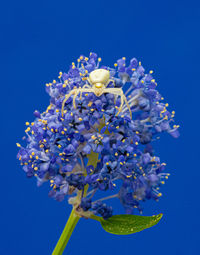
[[98, 82]]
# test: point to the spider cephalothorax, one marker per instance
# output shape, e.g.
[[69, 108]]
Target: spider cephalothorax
[[98, 81]]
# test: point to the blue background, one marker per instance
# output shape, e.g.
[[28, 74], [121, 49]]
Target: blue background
[[41, 38]]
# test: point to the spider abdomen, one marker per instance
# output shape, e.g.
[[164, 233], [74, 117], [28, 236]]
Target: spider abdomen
[[99, 76]]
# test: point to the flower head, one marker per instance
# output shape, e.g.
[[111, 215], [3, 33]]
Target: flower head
[[96, 146]]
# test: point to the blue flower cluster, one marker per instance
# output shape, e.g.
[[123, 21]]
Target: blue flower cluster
[[91, 148]]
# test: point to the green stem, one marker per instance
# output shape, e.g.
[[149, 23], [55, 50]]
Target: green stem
[[64, 238], [95, 217], [73, 218]]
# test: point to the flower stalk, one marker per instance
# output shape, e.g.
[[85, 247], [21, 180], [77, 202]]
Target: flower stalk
[[74, 217], [66, 234]]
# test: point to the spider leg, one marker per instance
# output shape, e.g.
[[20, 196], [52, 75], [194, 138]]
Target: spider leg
[[74, 92], [119, 92], [84, 89], [113, 81], [129, 108], [110, 80], [75, 95], [85, 86], [122, 101], [66, 98]]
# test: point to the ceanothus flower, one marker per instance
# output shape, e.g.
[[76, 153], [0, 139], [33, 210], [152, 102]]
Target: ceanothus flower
[[88, 150]]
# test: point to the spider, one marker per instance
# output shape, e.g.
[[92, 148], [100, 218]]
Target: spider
[[98, 82]]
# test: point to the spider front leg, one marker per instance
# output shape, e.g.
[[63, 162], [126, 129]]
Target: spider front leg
[[113, 81], [85, 86], [119, 92], [72, 92], [129, 108], [75, 95]]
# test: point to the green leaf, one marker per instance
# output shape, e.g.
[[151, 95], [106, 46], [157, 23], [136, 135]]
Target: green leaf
[[127, 224]]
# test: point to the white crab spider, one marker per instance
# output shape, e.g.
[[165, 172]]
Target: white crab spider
[[98, 81]]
